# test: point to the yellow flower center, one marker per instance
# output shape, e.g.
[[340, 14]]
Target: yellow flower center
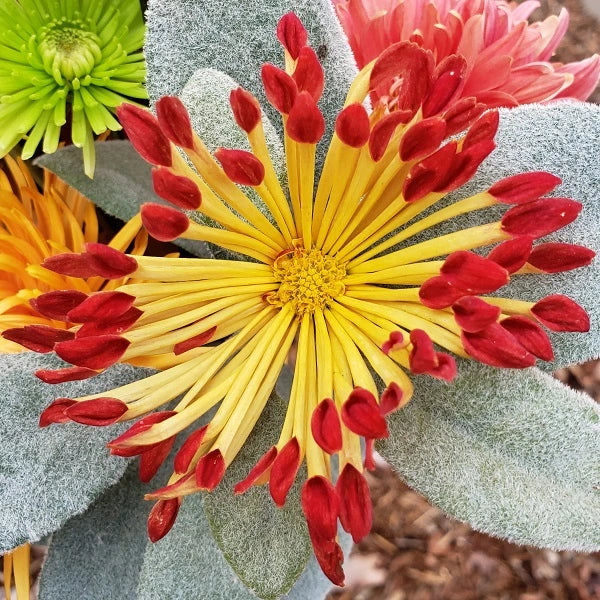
[[309, 280]]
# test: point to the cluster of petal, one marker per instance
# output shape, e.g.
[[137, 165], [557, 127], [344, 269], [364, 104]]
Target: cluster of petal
[[70, 61], [508, 59], [324, 282]]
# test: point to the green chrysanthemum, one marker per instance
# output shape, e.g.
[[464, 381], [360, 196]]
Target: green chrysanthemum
[[67, 60]]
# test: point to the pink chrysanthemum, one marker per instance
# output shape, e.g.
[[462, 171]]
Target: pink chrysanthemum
[[508, 60]]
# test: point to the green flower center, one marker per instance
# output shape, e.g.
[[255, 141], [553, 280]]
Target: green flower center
[[68, 49]]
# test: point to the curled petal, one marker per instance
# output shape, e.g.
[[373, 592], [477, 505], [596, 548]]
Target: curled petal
[[391, 399], [188, 450], [305, 123], [474, 314], [540, 217], [423, 138], [512, 254], [325, 426], [195, 341], [555, 257], [559, 313], [362, 416], [63, 375], [39, 338], [241, 167], [308, 75], [524, 187], [115, 326], [495, 346], [162, 518], [174, 121], [320, 505], [356, 512], [292, 34], [530, 335], [176, 189], [153, 458], [484, 129], [383, 131], [246, 109], [258, 470], [58, 304], [281, 90], [108, 262], [352, 125], [163, 223], [98, 412], [93, 352], [55, 412], [283, 471], [473, 273], [101, 306], [210, 470], [396, 341], [438, 292]]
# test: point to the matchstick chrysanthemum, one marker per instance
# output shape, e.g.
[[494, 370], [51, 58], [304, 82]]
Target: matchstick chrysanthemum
[[332, 276], [73, 61]]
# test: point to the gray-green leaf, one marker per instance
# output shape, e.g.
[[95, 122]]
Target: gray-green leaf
[[514, 454]]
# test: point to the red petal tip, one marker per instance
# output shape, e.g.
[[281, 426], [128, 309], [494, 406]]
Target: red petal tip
[[308, 75], [524, 187], [356, 512], [560, 313], [101, 306], [495, 346], [474, 314], [361, 414], [58, 304], [195, 341], [305, 123], [473, 273], [162, 518], [246, 109], [262, 466], [352, 126], [63, 375], [512, 254], [281, 90], [188, 450], [540, 217], [396, 341], [55, 412], [110, 263], [325, 426], [555, 257], [93, 352], [210, 470], [241, 167], [98, 412], [292, 34], [174, 121], [283, 471], [176, 189], [39, 338], [164, 223]]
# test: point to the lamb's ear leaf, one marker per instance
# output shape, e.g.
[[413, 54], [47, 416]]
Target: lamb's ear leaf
[[238, 38], [48, 475], [515, 454]]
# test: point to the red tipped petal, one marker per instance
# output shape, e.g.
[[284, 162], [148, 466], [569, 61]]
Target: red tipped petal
[[110, 263], [474, 314], [58, 304], [93, 352], [241, 167], [101, 306], [383, 131], [114, 327], [524, 187], [464, 166], [309, 75], [484, 129], [446, 367], [145, 134], [283, 471], [325, 426], [67, 374], [305, 123], [530, 335], [98, 412], [560, 313], [495, 346], [361, 414], [246, 109], [139, 427], [320, 505], [194, 342], [391, 399], [555, 257], [396, 341], [512, 254], [164, 223], [422, 356], [39, 338], [330, 557], [55, 412], [73, 265], [461, 114], [447, 79], [177, 190], [352, 125], [473, 273], [188, 450], [280, 88], [422, 138], [210, 470], [356, 512], [162, 518], [152, 459], [292, 34], [540, 217], [174, 121], [438, 292], [261, 467]]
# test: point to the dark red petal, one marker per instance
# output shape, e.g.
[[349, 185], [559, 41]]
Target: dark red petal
[[174, 121], [484, 129], [57, 304], [423, 138], [356, 512], [145, 134], [369, 457], [540, 217], [283, 471], [361, 414], [555, 257], [560, 313], [114, 327], [98, 412], [391, 399], [292, 34], [55, 412], [330, 556], [474, 314], [524, 187], [320, 505], [164, 223], [240, 166], [110, 263], [162, 518], [422, 357], [101, 306], [139, 427], [67, 374], [195, 341], [530, 335], [280, 88], [461, 114], [93, 352], [262, 466], [383, 131], [73, 265], [325, 426], [352, 125], [394, 342], [176, 189], [152, 459], [464, 166], [495, 346], [447, 79], [420, 182], [188, 450], [512, 254], [305, 123], [446, 367], [473, 273], [308, 75], [39, 338], [210, 470], [438, 292], [246, 109]]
